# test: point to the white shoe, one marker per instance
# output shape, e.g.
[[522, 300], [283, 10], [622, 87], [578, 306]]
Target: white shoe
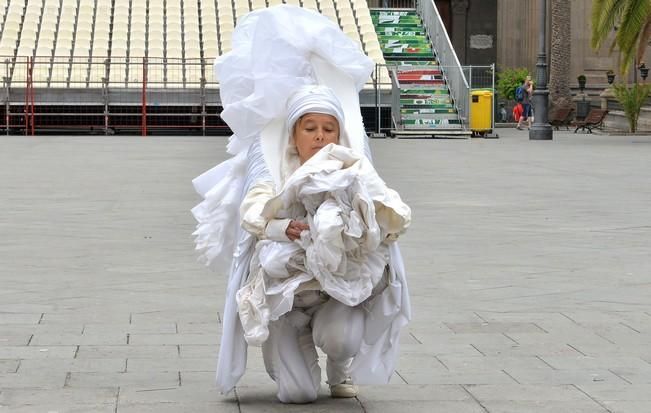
[[344, 390]]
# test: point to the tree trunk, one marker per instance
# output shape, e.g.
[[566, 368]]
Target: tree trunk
[[559, 68]]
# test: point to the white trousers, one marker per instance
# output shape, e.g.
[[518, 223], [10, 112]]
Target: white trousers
[[290, 355]]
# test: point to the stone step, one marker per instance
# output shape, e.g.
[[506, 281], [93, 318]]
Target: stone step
[[418, 70], [432, 123], [397, 31], [430, 103], [419, 78], [410, 54], [447, 116], [427, 110], [399, 46], [417, 64], [425, 82], [432, 116], [438, 97], [403, 39], [424, 90]]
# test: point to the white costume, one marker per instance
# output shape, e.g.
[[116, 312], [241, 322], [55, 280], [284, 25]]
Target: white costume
[[283, 293]]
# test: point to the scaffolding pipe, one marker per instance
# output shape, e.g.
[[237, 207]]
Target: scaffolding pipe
[[143, 128]]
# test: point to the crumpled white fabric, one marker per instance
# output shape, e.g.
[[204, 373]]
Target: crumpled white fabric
[[217, 215], [336, 191], [275, 51]]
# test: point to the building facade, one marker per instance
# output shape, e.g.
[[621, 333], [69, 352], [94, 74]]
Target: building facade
[[505, 32]]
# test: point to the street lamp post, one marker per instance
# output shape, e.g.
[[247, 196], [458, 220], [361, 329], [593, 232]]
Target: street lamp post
[[541, 129]]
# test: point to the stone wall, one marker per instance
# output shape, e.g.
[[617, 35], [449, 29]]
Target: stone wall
[[517, 40]]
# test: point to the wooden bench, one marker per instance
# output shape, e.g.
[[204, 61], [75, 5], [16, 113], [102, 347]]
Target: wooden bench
[[594, 120], [562, 116]]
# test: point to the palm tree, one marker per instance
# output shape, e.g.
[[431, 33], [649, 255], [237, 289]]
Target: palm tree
[[632, 18], [560, 54]]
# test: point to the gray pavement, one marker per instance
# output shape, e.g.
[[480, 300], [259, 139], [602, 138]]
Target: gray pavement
[[529, 267]]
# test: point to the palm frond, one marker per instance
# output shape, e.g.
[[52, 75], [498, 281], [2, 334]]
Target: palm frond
[[605, 15], [632, 18], [644, 40]]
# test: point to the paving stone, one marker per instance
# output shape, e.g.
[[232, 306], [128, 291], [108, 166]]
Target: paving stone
[[626, 406], [444, 343], [125, 328], [108, 365], [174, 395], [541, 239], [9, 366], [15, 340], [426, 376], [411, 361], [553, 377], [156, 339], [640, 374], [210, 328], [19, 318], [480, 363], [520, 392], [494, 327], [178, 407], [130, 351], [620, 392], [512, 349], [58, 397], [166, 316], [206, 379], [54, 408], [544, 406], [84, 318], [177, 364], [32, 380], [579, 339], [51, 339], [591, 362], [424, 406], [199, 351], [29, 329], [36, 352], [136, 381], [416, 392]]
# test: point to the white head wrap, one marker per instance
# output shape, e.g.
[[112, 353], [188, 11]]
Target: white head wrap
[[309, 99], [315, 99]]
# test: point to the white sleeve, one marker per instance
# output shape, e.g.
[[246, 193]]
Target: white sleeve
[[276, 228], [251, 208], [251, 213]]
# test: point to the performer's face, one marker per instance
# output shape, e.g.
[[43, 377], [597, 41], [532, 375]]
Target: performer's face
[[312, 132]]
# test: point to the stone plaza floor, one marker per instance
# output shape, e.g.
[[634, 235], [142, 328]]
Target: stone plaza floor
[[529, 266]]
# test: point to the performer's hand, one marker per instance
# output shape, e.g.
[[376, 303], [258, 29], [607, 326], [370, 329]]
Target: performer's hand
[[294, 229]]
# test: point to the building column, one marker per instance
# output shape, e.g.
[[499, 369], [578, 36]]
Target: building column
[[459, 28]]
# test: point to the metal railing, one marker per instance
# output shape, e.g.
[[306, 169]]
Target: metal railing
[[396, 118], [108, 93], [447, 57]]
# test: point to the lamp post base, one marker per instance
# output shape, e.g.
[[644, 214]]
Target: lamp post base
[[541, 132]]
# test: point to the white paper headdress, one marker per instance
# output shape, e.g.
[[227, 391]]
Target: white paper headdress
[[276, 51]]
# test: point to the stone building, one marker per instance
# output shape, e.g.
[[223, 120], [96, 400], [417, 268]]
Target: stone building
[[505, 32]]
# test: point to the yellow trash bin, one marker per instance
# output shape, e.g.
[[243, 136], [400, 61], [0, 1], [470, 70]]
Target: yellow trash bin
[[481, 111]]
